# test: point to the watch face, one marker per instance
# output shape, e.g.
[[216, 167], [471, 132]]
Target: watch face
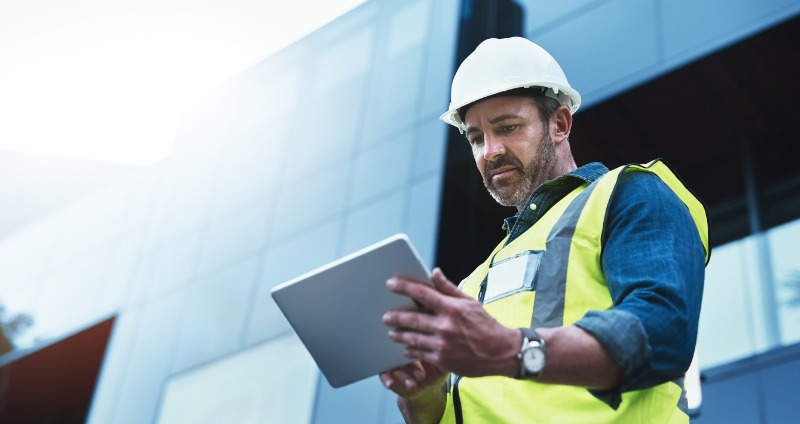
[[533, 358]]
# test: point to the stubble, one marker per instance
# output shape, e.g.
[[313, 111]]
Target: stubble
[[515, 191]]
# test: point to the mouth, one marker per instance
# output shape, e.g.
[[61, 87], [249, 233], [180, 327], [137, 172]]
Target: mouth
[[502, 172]]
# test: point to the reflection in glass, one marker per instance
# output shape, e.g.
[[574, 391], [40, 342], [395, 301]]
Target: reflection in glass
[[271, 383], [786, 268], [11, 327]]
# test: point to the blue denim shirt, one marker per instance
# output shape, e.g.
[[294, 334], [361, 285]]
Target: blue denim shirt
[[654, 265]]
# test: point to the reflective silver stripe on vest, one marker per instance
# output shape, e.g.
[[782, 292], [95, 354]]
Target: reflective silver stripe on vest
[[683, 401], [548, 308]]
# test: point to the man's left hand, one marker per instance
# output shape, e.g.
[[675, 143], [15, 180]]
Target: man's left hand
[[453, 332]]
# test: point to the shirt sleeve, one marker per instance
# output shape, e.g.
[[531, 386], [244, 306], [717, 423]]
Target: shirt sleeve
[[654, 264]]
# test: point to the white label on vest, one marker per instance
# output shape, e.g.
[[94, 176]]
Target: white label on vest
[[512, 275]]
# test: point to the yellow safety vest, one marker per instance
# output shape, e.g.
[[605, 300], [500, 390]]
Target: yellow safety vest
[[570, 283]]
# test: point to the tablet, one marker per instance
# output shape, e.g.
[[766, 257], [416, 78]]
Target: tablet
[[337, 309]]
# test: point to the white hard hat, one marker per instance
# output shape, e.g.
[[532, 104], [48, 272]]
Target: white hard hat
[[499, 65]]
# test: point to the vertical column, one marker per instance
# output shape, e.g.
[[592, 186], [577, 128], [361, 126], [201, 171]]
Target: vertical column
[[772, 333], [468, 217]]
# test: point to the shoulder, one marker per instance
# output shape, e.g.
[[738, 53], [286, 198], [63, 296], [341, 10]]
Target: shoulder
[[643, 189], [643, 202]]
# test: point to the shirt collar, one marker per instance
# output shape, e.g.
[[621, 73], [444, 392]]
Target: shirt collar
[[588, 173]]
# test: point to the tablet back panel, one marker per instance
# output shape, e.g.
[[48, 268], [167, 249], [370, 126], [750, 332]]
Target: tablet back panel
[[337, 309]]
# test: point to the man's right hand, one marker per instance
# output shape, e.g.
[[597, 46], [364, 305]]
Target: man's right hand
[[420, 389], [413, 380]]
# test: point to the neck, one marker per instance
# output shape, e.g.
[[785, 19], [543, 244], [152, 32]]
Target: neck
[[562, 167]]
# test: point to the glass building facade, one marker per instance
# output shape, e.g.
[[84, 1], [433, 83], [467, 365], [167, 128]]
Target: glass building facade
[[328, 146]]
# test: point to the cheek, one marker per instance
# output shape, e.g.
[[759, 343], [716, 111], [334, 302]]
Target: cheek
[[477, 151], [480, 163], [477, 154], [526, 151]]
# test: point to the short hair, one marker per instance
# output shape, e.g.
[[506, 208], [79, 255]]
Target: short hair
[[547, 106]]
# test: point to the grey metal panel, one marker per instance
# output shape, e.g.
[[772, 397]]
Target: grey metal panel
[[780, 394], [357, 403], [733, 400]]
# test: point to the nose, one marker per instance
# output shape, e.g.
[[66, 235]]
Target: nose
[[493, 147]]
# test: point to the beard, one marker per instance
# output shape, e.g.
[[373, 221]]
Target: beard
[[515, 191]]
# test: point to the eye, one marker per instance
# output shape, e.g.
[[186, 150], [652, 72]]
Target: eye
[[476, 141], [508, 129]]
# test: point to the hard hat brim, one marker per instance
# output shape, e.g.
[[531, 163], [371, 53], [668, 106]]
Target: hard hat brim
[[573, 98]]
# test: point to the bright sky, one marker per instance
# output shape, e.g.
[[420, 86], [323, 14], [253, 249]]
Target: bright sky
[[107, 80]]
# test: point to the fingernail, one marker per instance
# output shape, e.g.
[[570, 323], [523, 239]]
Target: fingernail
[[388, 382], [386, 317], [391, 283], [409, 384]]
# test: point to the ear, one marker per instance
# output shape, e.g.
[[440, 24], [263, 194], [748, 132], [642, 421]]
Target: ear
[[561, 124]]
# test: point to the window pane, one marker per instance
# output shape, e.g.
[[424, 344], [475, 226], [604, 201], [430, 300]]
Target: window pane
[[786, 269], [249, 387]]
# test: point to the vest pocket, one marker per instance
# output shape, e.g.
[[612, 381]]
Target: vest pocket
[[513, 275]]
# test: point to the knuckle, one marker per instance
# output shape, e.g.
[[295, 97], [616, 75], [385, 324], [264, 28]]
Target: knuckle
[[413, 321], [415, 289], [406, 320], [446, 327]]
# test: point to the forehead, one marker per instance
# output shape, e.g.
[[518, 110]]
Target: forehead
[[522, 106]]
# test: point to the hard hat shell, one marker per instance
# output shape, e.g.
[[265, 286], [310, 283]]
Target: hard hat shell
[[503, 64]]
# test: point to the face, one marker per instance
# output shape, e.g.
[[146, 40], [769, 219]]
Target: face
[[512, 147]]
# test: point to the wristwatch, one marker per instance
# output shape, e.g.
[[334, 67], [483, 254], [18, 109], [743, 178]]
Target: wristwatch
[[532, 355]]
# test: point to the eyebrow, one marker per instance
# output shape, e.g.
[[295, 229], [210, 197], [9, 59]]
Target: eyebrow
[[495, 120]]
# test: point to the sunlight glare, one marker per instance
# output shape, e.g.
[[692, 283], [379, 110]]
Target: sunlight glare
[[109, 81]]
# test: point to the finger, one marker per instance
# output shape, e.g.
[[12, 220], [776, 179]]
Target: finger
[[445, 286], [422, 293], [404, 379], [386, 380], [415, 370], [429, 356], [414, 340], [418, 371], [396, 383], [419, 322]]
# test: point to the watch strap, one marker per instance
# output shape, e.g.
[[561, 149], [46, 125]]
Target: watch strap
[[530, 334], [525, 341]]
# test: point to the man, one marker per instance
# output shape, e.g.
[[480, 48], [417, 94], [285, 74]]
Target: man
[[587, 311]]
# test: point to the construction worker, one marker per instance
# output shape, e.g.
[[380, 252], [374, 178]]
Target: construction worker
[[587, 311]]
